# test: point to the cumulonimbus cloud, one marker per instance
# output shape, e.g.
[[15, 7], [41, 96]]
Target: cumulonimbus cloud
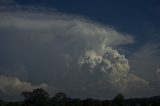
[[68, 52]]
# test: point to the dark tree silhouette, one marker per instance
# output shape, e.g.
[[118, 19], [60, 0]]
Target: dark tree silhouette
[[60, 99], [60, 96], [118, 100], [88, 102], [37, 97]]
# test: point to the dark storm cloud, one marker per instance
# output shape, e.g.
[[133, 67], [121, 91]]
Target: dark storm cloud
[[145, 62], [7, 1], [68, 53]]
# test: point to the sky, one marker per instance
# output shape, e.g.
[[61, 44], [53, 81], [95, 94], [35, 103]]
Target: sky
[[87, 49]]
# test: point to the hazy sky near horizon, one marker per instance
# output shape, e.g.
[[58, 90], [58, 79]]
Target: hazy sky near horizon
[[84, 48]]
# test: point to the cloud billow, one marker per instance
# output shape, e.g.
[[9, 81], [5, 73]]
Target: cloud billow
[[68, 53]]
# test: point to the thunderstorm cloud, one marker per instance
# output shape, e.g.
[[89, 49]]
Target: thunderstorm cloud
[[65, 52]]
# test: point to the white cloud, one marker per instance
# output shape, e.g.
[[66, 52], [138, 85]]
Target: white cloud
[[72, 26], [67, 52], [114, 70]]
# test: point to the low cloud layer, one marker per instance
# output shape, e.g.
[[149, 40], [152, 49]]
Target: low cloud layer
[[11, 87], [68, 53]]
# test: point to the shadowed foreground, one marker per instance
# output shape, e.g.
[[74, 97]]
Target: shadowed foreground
[[39, 97]]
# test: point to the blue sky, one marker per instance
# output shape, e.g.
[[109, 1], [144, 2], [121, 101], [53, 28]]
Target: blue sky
[[118, 13], [84, 48]]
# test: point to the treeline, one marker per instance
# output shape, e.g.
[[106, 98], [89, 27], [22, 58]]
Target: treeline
[[39, 97]]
